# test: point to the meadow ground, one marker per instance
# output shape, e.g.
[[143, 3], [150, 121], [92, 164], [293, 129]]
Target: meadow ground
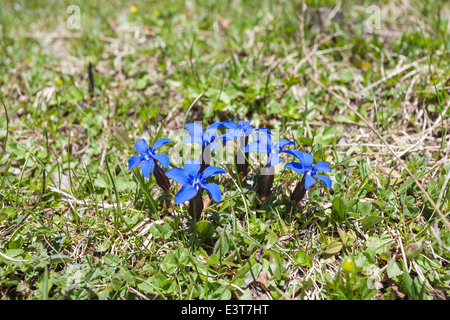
[[361, 85]]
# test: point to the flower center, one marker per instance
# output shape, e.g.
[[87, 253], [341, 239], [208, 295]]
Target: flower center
[[310, 170], [195, 181], [148, 154]]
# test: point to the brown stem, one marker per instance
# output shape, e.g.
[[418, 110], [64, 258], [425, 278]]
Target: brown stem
[[299, 191], [196, 206], [204, 159], [241, 159], [161, 178], [266, 181]]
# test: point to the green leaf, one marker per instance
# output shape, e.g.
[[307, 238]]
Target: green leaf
[[205, 229], [413, 250], [221, 247], [111, 260], [271, 239], [60, 258], [141, 83], [303, 259], [277, 264], [169, 263], [334, 247], [342, 235], [144, 286], [238, 277], [5, 213], [365, 208], [369, 221], [393, 269], [12, 253], [3, 216], [339, 210], [157, 230]]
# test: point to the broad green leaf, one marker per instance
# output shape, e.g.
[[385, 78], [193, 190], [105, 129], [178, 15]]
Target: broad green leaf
[[157, 230], [369, 221], [221, 247], [14, 252], [60, 258], [342, 235], [111, 260], [413, 250], [205, 229], [334, 247], [302, 258], [277, 264], [339, 210], [393, 269], [169, 263]]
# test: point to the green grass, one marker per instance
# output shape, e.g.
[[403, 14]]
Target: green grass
[[75, 223]]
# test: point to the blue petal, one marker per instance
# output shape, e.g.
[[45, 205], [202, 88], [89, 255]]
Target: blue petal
[[214, 146], [256, 147], [274, 160], [297, 167], [264, 131], [325, 180], [244, 124], [210, 171], [187, 192], [282, 143], [159, 143], [305, 158], [147, 167], [163, 159], [141, 146], [210, 135], [192, 167], [322, 167], [214, 190], [215, 126], [195, 129], [178, 175], [230, 124], [266, 141], [228, 136], [309, 181], [134, 162], [294, 153], [192, 139]]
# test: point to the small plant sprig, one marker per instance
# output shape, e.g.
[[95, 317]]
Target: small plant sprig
[[263, 144], [148, 160], [241, 131], [309, 171], [207, 139]]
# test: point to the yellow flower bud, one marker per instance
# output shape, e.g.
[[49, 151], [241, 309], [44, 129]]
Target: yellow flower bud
[[348, 265]]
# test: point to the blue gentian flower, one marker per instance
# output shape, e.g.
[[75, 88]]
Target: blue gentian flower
[[193, 181], [264, 145], [307, 168], [241, 129], [203, 138], [147, 156]]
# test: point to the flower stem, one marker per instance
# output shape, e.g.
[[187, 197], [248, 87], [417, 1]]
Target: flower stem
[[196, 206], [161, 178], [266, 181], [204, 159], [241, 159], [299, 191]]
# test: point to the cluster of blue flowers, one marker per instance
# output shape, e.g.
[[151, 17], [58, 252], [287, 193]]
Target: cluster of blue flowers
[[195, 173]]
